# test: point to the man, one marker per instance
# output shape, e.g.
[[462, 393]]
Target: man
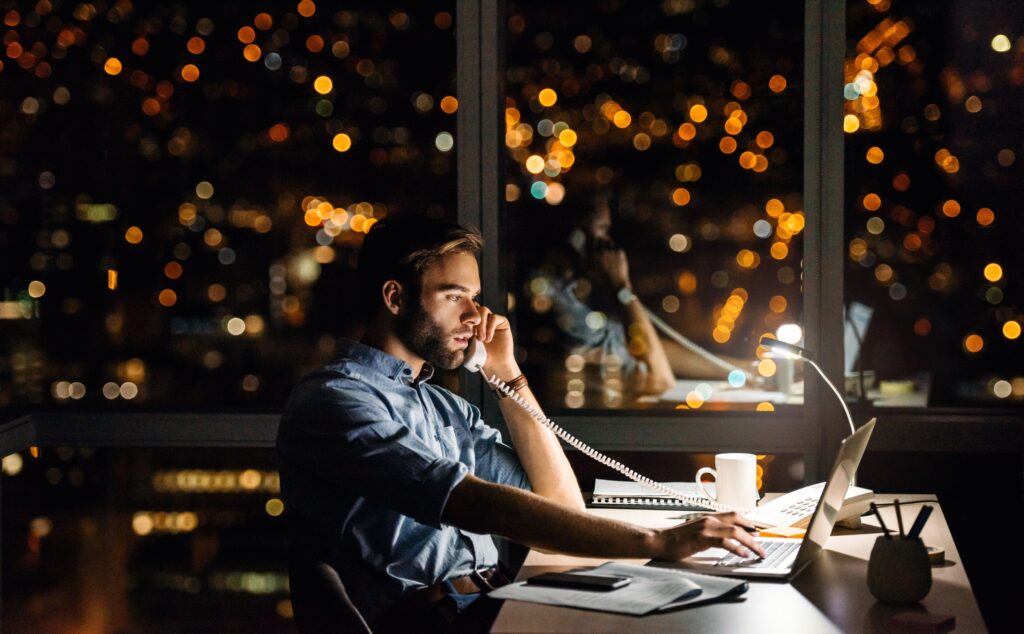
[[400, 482]]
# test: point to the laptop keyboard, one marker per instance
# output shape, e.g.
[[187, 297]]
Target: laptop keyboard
[[775, 552]]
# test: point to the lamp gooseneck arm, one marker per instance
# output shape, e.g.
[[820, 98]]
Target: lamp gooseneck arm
[[842, 401]]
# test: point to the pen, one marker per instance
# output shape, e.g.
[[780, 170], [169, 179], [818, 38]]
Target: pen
[[874, 509], [694, 518], [922, 517], [899, 517]]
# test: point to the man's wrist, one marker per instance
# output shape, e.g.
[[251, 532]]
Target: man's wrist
[[653, 543], [505, 372], [626, 295], [514, 385]]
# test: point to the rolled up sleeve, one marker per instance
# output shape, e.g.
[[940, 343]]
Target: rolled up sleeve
[[495, 461]]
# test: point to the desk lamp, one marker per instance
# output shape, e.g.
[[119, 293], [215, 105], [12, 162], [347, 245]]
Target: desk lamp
[[791, 351]]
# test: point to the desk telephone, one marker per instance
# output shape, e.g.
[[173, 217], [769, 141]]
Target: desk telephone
[[793, 509]]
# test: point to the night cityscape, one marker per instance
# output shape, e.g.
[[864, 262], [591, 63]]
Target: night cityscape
[[184, 189]]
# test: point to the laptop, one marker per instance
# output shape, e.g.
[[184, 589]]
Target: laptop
[[856, 320], [786, 558]]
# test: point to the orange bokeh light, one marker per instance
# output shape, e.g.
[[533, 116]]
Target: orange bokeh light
[[314, 43], [973, 343], [190, 72], [252, 53], [263, 21]]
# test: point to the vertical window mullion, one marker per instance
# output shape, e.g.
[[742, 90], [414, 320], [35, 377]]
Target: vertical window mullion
[[823, 190]]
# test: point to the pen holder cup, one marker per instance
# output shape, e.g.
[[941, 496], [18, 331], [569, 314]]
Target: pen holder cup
[[898, 571]]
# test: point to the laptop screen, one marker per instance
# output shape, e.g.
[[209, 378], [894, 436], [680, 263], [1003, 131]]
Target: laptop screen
[[831, 501], [855, 325]]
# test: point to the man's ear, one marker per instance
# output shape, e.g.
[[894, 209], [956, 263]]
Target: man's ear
[[393, 295]]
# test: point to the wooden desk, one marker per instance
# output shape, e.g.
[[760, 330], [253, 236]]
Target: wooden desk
[[831, 594]]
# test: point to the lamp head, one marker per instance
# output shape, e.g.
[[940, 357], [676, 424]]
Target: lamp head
[[787, 350]]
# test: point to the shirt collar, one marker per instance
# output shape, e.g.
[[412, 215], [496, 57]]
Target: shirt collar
[[390, 366]]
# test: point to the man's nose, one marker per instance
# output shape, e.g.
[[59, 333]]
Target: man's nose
[[471, 314]]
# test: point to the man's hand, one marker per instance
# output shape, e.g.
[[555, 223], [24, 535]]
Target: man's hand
[[496, 335], [615, 265], [722, 530]]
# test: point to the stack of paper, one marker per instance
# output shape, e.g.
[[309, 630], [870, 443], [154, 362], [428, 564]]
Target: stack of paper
[[652, 590]]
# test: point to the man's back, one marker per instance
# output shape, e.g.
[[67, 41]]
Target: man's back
[[369, 455]]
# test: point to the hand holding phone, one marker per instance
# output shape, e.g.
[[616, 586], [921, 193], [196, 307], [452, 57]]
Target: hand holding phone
[[491, 345], [580, 580]]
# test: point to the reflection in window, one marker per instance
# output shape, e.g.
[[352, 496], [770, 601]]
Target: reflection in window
[[183, 188], [932, 211], [657, 147], [144, 540]]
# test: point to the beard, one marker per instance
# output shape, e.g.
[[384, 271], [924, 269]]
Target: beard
[[424, 336]]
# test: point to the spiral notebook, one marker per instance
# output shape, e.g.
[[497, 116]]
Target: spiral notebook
[[619, 494]]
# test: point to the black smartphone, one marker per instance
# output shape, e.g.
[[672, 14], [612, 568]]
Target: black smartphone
[[580, 580]]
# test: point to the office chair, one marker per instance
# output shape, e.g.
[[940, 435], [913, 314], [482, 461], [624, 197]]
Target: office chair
[[319, 599]]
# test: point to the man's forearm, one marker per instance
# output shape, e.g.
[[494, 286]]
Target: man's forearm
[[483, 507], [661, 377], [540, 453]]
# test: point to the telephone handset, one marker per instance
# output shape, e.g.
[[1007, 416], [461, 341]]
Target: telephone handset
[[476, 356]]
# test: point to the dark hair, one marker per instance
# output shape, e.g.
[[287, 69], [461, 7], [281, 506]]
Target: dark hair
[[585, 206], [402, 247]]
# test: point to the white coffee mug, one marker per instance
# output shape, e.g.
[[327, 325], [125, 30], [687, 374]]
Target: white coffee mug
[[735, 480]]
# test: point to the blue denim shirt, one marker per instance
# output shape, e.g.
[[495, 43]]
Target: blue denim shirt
[[368, 456], [607, 335]]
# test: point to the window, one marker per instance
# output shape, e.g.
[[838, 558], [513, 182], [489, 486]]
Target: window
[[933, 227], [183, 189], [147, 537], [679, 124]]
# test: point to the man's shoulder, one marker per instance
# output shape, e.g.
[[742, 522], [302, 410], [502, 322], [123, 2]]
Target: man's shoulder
[[338, 373], [337, 381]]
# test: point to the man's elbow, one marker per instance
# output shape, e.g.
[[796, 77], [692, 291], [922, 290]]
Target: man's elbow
[[568, 496]]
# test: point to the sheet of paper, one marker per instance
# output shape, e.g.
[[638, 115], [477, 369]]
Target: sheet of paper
[[650, 589], [721, 392]]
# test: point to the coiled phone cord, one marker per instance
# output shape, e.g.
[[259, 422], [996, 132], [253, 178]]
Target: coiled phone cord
[[626, 296], [606, 460]]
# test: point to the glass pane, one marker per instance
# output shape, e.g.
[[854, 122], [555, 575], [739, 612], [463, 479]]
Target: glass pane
[[657, 147], [144, 540], [184, 186], [933, 227]]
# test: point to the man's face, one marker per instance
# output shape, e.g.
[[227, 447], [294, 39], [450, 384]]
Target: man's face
[[438, 324], [600, 224]]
